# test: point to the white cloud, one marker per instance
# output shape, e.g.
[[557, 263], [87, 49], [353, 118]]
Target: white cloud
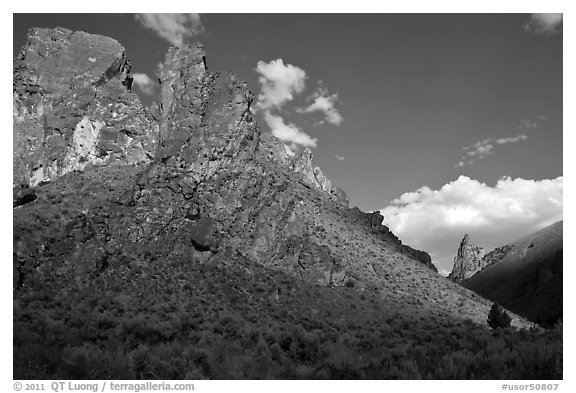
[[436, 220], [483, 148], [444, 272], [544, 24], [174, 28], [517, 138], [288, 133], [480, 149], [527, 125], [280, 82], [144, 83], [339, 158], [323, 102]]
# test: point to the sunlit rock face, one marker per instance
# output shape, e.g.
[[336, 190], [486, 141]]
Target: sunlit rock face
[[198, 181], [468, 261], [73, 107], [226, 189]]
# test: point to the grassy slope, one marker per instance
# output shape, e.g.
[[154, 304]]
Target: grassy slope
[[182, 320]]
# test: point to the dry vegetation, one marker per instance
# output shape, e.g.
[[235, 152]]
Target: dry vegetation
[[141, 315], [184, 320]]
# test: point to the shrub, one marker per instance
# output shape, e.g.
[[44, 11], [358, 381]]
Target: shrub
[[498, 318]]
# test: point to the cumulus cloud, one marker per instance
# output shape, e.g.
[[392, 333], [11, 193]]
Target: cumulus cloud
[[324, 102], [436, 220], [279, 83], [144, 83], [288, 133], [483, 148], [544, 24], [339, 158], [174, 28]]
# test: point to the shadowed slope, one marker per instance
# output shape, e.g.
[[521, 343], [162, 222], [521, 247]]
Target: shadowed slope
[[527, 279]]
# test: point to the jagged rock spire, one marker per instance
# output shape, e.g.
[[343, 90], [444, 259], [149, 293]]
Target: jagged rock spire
[[468, 260]]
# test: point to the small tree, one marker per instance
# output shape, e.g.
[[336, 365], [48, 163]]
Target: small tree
[[498, 318]]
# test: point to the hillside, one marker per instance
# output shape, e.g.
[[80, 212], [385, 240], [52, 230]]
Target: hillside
[[190, 244], [527, 278]]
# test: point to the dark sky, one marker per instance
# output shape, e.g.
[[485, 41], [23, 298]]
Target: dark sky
[[414, 90]]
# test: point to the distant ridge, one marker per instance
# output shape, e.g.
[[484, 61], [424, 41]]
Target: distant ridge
[[525, 276]]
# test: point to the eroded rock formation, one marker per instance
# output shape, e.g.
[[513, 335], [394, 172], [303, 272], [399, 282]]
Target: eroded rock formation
[[313, 176], [73, 107], [468, 261], [200, 183]]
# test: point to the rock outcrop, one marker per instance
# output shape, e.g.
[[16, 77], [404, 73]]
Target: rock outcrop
[[73, 107], [222, 186], [468, 261], [313, 176], [212, 187], [374, 223]]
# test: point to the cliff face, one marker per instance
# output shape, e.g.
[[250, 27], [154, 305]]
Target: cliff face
[[73, 107], [226, 189], [468, 261], [210, 187]]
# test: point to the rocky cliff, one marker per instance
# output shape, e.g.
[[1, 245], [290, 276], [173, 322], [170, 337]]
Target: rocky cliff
[[210, 184], [468, 261], [73, 108]]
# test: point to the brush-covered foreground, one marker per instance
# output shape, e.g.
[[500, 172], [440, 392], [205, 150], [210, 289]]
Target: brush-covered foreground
[[182, 320]]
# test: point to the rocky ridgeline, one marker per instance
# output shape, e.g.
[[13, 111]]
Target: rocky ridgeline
[[200, 183], [314, 177], [468, 261], [496, 255], [374, 222], [471, 259]]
